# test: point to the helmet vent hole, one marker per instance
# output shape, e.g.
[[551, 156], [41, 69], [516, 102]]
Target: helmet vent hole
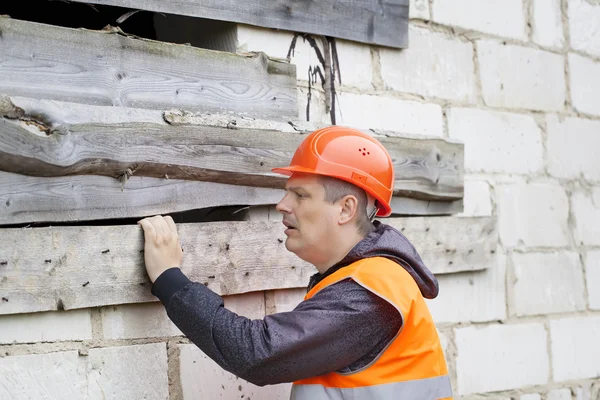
[[364, 151]]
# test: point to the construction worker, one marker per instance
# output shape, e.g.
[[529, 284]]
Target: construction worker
[[363, 330]]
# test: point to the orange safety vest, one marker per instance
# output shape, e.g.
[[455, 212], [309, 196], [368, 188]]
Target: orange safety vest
[[411, 367]]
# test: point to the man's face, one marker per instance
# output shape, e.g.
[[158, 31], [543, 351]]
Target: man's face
[[309, 219]]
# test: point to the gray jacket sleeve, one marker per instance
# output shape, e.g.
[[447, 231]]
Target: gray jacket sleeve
[[337, 327]]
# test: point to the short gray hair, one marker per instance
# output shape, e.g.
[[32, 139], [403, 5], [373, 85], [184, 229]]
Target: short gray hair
[[336, 189]]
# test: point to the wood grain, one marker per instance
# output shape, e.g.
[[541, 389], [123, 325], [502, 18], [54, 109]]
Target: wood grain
[[99, 68], [88, 266]]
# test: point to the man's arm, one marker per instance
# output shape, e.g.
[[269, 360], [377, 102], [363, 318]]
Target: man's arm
[[338, 326]]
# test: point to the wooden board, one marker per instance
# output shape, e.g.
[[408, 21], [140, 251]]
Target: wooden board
[[368, 21], [76, 267], [425, 169], [92, 67]]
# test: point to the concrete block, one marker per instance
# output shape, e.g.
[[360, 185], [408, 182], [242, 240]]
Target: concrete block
[[476, 297], [583, 26], [575, 350], [477, 199], [137, 321], [356, 66], [532, 215], [547, 23], [60, 375], [517, 77], [584, 75], [387, 113], [130, 372], [585, 208], [584, 392], [572, 144], [592, 268], [497, 141], [202, 378], [283, 300], [53, 326], [502, 18], [433, 66], [250, 305], [419, 9], [559, 394], [314, 101], [501, 357], [546, 283], [531, 396]]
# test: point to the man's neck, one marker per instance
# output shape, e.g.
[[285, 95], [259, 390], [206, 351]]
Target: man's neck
[[339, 251]]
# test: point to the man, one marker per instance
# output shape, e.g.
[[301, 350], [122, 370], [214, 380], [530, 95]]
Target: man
[[364, 330]]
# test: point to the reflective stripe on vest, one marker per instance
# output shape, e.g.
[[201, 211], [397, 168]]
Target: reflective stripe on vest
[[411, 367], [421, 389]]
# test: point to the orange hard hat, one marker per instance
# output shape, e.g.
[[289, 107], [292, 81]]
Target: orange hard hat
[[350, 155]]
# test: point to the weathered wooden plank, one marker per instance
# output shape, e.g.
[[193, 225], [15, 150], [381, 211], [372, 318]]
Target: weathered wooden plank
[[95, 67], [77, 267], [426, 169], [369, 21]]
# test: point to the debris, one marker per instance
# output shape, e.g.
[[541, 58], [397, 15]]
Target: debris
[[85, 284]]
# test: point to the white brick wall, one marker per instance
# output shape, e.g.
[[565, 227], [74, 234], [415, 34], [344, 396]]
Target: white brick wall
[[50, 326], [531, 396], [202, 378], [547, 23], [477, 199], [518, 77], [137, 321], [283, 300], [477, 297], [131, 372], [586, 212], [433, 65], [547, 283], [250, 305], [419, 9], [497, 141], [501, 357], [572, 145], [503, 18], [46, 376], [584, 27], [584, 75], [592, 267], [559, 394], [532, 214], [387, 113], [575, 350]]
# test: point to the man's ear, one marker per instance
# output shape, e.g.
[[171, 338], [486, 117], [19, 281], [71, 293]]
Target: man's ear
[[348, 210]]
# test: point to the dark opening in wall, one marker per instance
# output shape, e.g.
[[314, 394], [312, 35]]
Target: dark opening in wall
[[198, 32]]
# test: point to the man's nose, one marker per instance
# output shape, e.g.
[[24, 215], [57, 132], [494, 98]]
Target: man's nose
[[283, 206]]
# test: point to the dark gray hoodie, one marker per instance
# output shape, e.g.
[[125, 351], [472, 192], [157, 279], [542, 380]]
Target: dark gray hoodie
[[341, 328]]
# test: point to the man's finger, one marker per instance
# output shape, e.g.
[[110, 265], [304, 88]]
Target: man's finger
[[149, 231], [171, 224], [160, 225]]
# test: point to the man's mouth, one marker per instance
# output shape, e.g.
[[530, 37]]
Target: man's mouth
[[289, 227]]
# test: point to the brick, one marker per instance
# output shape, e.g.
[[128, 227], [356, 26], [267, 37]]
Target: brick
[[137, 321], [46, 327], [501, 357], [387, 113], [517, 77], [317, 111], [497, 141], [559, 394], [592, 267], [216, 383], [502, 18], [547, 23], [283, 300], [477, 298], [531, 396], [249, 305], [532, 215], [546, 283], [419, 9], [575, 350], [586, 212], [584, 392], [356, 66], [60, 375], [130, 372], [584, 76], [434, 66], [583, 26], [477, 199], [572, 145]]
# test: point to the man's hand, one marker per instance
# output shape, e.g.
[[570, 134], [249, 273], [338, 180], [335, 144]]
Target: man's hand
[[162, 249]]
